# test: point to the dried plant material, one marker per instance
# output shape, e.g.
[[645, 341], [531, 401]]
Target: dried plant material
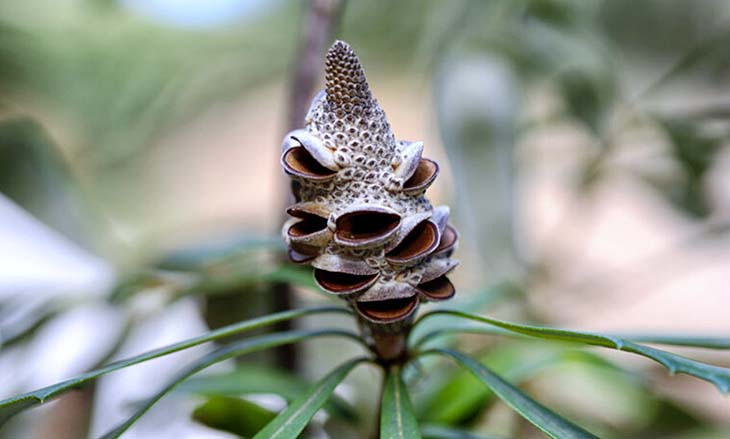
[[449, 239], [421, 241], [366, 226], [388, 311], [362, 218], [343, 283], [299, 162], [440, 288], [425, 173]]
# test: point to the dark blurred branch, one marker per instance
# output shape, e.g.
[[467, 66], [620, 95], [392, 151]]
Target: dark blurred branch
[[320, 20], [318, 28]]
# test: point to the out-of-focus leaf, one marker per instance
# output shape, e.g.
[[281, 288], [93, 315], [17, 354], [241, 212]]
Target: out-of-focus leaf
[[434, 431], [588, 94], [234, 415], [213, 280], [34, 175], [540, 416], [671, 419], [216, 283], [694, 151], [233, 350], [461, 397], [124, 80], [21, 317], [11, 406], [248, 378], [719, 376], [658, 30], [132, 284], [290, 423], [195, 258], [397, 418], [477, 101]]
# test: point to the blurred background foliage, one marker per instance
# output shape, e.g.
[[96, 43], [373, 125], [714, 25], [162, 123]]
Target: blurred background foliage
[[585, 145]]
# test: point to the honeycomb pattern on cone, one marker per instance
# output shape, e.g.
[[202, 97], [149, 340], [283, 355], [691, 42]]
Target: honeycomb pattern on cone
[[345, 79], [362, 219]]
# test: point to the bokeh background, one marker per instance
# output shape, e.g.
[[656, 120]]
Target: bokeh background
[[584, 152]]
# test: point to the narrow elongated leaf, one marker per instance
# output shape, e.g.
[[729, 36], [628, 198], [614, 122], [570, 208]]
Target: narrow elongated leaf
[[462, 396], [11, 406], [234, 350], [247, 379], [692, 341], [540, 416], [397, 419], [290, 423], [719, 376]]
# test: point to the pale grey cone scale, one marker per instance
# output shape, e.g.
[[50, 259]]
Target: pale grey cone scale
[[362, 219]]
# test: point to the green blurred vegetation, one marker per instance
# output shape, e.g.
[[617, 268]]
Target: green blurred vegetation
[[88, 88]]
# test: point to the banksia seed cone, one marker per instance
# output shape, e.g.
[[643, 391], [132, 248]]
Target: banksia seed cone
[[361, 218]]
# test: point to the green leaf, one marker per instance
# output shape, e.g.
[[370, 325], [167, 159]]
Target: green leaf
[[248, 378], [34, 174], [719, 376], [291, 422], [692, 341], [461, 397], [433, 431], [540, 416], [234, 415], [11, 406], [234, 350], [694, 148], [193, 258], [397, 419]]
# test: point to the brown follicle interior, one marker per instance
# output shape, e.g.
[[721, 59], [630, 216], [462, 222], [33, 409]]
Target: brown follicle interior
[[308, 225], [388, 310], [337, 282], [440, 288], [448, 239], [364, 225], [420, 241], [425, 173], [300, 160]]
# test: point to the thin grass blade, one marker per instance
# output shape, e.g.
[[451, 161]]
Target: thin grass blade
[[248, 379], [292, 421], [540, 416], [397, 418], [14, 405], [719, 376], [234, 350], [690, 341]]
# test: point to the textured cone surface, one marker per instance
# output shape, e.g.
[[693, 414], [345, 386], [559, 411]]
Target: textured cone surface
[[378, 246], [345, 78]]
